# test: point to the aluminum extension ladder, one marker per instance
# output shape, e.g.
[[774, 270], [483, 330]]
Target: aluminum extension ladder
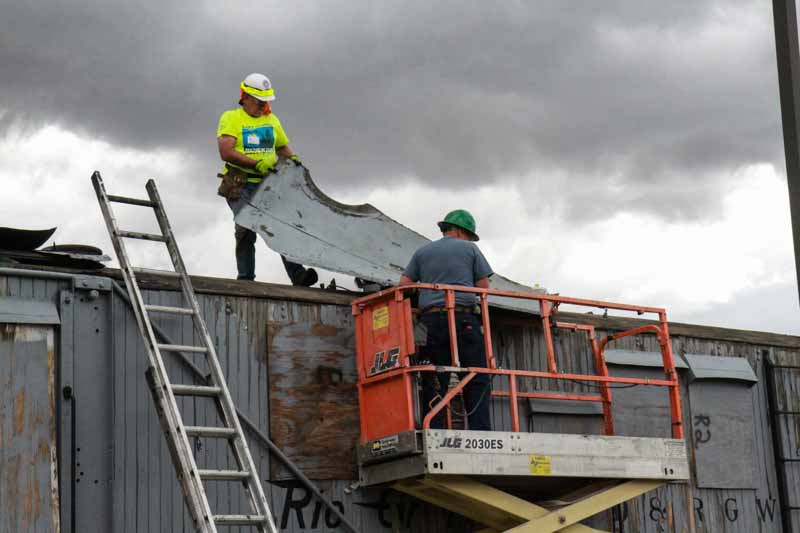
[[164, 392]]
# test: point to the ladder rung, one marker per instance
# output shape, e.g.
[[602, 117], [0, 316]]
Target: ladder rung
[[143, 236], [155, 272], [224, 475], [132, 201], [171, 310], [239, 519], [182, 348], [202, 431], [195, 390]]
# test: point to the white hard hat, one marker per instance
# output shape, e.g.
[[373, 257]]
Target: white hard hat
[[258, 86]]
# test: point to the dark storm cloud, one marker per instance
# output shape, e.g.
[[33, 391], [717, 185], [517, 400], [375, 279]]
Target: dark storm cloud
[[654, 99]]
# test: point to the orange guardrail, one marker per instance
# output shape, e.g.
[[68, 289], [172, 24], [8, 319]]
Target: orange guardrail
[[385, 344]]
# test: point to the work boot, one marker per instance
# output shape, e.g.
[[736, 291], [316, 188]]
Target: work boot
[[305, 278]]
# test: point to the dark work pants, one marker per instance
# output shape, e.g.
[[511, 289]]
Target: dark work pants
[[246, 242], [477, 393]]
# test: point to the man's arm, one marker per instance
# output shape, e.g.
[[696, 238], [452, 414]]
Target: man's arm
[[482, 283], [227, 152]]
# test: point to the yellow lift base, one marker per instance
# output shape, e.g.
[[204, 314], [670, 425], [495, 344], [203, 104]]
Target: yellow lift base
[[503, 512]]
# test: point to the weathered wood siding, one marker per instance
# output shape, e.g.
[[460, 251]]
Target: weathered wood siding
[[288, 355]]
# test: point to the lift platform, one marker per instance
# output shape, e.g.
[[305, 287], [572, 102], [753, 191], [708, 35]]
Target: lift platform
[[506, 480]]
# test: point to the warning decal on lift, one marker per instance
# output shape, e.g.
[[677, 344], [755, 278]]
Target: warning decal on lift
[[380, 318], [541, 465]]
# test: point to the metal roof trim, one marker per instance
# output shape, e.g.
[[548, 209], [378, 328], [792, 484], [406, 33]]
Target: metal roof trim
[[23, 311], [634, 358], [705, 367]]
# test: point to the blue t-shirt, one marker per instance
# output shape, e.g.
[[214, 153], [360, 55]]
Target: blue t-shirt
[[450, 261]]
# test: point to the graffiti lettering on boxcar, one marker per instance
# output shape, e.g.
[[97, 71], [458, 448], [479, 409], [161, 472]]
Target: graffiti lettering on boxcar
[[698, 510], [393, 504], [731, 510], [702, 432], [658, 511], [766, 507], [298, 499]]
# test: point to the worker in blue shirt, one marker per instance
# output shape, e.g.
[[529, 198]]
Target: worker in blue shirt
[[453, 260]]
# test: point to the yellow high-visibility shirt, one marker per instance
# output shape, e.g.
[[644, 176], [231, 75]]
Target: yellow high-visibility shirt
[[256, 137]]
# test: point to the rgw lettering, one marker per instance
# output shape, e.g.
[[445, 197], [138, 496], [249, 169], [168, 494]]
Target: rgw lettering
[[383, 362], [730, 509]]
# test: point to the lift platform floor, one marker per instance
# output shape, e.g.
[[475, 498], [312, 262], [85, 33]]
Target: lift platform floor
[[538, 464]]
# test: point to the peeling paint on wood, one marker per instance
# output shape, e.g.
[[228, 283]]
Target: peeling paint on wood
[[28, 469]]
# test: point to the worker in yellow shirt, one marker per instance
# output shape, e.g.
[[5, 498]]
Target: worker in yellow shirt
[[250, 140]]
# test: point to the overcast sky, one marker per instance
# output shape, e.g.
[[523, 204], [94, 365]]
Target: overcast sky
[[619, 150]]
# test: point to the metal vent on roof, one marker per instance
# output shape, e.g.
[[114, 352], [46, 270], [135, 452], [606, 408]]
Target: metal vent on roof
[[723, 368], [561, 407], [20, 311], [634, 358]]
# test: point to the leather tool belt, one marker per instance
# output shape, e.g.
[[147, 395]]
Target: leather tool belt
[[233, 181]]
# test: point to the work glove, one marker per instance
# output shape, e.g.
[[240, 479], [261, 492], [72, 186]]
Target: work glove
[[263, 167], [296, 160]]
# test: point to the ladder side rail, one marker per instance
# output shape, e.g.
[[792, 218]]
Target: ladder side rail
[[192, 489], [256, 493]]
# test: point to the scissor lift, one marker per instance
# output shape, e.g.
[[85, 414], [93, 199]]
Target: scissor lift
[[508, 481]]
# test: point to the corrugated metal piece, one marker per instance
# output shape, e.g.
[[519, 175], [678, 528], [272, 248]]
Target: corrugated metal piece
[[24, 311], [298, 220], [634, 358], [729, 368], [28, 469]]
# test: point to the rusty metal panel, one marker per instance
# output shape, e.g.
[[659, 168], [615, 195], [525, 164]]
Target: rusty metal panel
[[298, 220], [313, 396], [28, 465]]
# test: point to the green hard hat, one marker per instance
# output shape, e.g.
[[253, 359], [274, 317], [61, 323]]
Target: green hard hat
[[463, 219]]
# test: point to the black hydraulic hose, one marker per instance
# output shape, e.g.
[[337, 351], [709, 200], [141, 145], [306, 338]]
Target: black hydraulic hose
[[273, 448]]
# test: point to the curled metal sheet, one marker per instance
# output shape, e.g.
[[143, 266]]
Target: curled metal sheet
[[80, 252], [296, 219], [23, 239]]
